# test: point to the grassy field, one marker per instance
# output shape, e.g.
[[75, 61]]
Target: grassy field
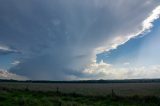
[[100, 89], [79, 94]]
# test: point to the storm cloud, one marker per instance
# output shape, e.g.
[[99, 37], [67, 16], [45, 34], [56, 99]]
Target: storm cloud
[[59, 39]]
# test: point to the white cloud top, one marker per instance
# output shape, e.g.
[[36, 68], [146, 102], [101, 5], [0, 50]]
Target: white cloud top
[[108, 71]]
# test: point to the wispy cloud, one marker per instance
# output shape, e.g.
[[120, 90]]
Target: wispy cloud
[[6, 50], [16, 62]]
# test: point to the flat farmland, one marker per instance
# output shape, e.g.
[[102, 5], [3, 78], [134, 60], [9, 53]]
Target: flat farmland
[[79, 94], [94, 89]]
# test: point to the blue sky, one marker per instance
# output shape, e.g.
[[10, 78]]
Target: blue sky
[[87, 39], [5, 62], [141, 50]]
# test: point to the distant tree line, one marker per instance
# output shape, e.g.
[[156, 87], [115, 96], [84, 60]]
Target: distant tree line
[[87, 81]]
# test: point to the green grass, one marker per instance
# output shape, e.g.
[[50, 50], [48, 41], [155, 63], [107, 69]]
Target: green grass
[[55, 94], [92, 89], [25, 97]]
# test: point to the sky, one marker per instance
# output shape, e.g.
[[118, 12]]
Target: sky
[[141, 50], [79, 39]]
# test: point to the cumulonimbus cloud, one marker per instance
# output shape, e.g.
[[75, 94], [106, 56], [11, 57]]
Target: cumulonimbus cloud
[[59, 39]]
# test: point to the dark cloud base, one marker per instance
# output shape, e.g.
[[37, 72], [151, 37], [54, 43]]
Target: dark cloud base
[[57, 39]]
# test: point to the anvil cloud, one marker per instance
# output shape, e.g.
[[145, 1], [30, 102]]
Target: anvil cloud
[[58, 40]]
